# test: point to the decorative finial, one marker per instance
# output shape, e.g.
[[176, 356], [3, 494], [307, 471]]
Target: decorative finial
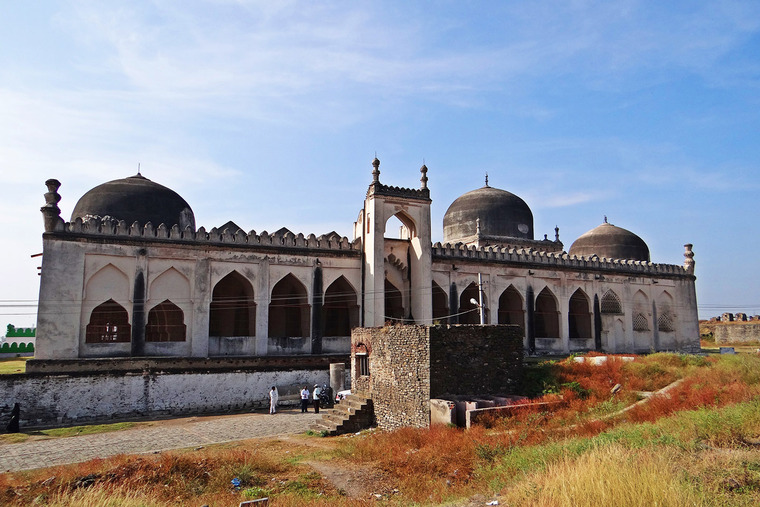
[[486, 178], [138, 169], [424, 171], [376, 170], [688, 262], [50, 211], [477, 226], [556, 233]]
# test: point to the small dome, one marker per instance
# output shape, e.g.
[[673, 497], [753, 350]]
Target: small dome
[[502, 214], [135, 199], [611, 242]]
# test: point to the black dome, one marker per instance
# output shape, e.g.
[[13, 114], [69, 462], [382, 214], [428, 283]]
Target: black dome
[[501, 214], [611, 242], [135, 199]]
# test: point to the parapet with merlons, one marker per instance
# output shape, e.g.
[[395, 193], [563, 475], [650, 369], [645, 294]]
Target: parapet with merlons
[[420, 194], [117, 229], [553, 260]]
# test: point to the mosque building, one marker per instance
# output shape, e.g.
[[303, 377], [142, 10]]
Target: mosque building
[[130, 276]]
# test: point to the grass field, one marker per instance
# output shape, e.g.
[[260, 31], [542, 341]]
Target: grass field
[[71, 431], [13, 365], [696, 446]]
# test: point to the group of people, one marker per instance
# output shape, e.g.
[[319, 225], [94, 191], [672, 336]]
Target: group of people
[[274, 397]]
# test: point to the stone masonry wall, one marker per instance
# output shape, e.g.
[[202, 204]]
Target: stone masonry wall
[[399, 374], [737, 333], [475, 360]]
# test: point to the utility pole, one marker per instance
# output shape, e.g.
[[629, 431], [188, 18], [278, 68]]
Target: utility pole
[[481, 309]]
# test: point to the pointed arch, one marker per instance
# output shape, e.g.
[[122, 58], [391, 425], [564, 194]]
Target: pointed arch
[[407, 222], [665, 314], [340, 311], [166, 323], [109, 323], [440, 304], [469, 313], [611, 303], [640, 312], [171, 284], [394, 303], [511, 308], [109, 282], [289, 310], [546, 315], [579, 316], [233, 307]]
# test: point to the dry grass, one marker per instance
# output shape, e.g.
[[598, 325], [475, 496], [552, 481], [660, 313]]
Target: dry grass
[[609, 475], [695, 447]]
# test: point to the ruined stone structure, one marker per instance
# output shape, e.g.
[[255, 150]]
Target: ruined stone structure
[[401, 368], [130, 275]]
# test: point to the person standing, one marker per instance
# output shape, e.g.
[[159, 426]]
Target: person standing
[[274, 397], [304, 399], [317, 391]]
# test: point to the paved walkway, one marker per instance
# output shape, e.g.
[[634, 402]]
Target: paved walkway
[[172, 434]]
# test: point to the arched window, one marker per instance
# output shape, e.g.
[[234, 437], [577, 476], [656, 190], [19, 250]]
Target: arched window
[[611, 303], [511, 308], [233, 310], [579, 316], [340, 312], [469, 312], [665, 316], [394, 304], [166, 323], [440, 304], [109, 323], [289, 311], [546, 315]]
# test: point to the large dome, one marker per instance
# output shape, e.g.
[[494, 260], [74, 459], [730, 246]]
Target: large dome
[[611, 242], [502, 214], [135, 199]]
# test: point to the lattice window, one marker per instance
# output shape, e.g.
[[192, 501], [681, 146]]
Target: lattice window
[[665, 323], [640, 322], [611, 303]]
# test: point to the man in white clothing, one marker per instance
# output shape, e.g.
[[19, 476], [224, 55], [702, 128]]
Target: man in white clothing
[[274, 397]]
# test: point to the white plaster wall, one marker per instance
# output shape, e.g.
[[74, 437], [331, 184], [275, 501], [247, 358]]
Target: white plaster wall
[[58, 313], [64, 399]]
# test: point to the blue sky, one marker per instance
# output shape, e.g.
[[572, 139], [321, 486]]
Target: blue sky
[[269, 114]]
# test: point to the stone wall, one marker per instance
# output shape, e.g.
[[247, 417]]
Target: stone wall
[[50, 400], [408, 364], [737, 332], [475, 359], [399, 373]]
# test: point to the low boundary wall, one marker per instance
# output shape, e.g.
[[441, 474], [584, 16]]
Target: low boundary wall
[[56, 399]]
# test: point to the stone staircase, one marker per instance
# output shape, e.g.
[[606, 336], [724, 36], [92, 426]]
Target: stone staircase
[[351, 414]]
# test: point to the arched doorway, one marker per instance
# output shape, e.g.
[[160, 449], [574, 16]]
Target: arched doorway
[[546, 315], [468, 311], [109, 323], [233, 310], [166, 323], [289, 309], [340, 312], [440, 305], [511, 308], [579, 316]]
